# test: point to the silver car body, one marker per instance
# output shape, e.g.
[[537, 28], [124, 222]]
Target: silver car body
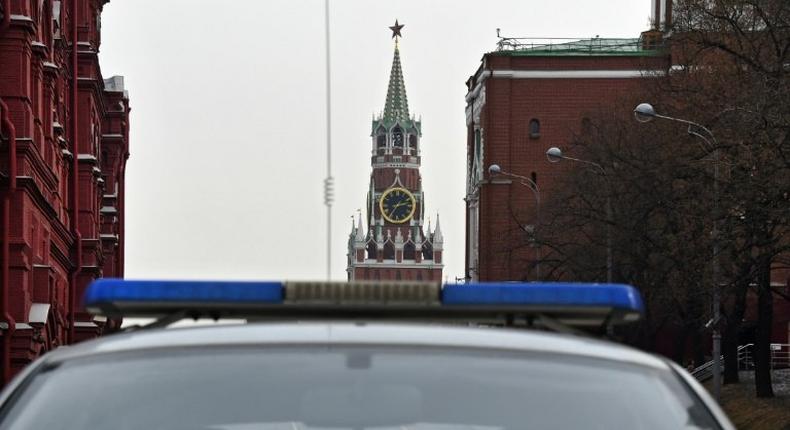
[[369, 334]]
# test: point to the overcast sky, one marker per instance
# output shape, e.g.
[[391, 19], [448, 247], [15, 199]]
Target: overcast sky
[[225, 179]]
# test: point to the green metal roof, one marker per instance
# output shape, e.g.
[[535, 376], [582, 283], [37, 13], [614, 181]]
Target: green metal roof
[[632, 47], [397, 105], [396, 108]]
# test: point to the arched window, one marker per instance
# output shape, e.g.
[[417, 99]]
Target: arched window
[[408, 251], [381, 141], [413, 142], [389, 251], [397, 137], [586, 125], [427, 251], [534, 128]]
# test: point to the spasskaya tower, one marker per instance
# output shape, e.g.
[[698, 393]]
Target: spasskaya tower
[[395, 245]]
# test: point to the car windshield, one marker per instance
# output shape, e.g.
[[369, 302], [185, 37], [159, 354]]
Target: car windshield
[[352, 388]]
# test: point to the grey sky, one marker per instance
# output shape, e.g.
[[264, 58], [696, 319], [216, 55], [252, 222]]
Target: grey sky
[[227, 121]]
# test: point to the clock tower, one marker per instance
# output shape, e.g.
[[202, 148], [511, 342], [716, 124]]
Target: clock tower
[[397, 243]]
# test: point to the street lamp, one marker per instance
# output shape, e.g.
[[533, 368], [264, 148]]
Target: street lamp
[[644, 112], [494, 169], [554, 155]]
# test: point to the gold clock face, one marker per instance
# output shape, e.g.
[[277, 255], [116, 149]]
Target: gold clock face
[[397, 205]]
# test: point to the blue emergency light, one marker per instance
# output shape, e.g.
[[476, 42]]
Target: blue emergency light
[[109, 290], [619, 296], [576, 304]]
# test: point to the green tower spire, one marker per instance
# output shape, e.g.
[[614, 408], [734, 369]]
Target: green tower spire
[[397, 105]]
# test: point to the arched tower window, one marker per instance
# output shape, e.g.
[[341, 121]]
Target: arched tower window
[[380, 139], [397, 137], [427, 251], [534, 128], [408, 251], [389, 251], [413, 143]]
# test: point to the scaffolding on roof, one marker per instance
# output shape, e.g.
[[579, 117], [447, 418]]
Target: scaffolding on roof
[[572, 46]]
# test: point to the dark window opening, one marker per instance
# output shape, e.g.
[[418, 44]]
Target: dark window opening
[[397, 138], [534, 128], [389, 251], [427, 251], [586, 125], [381, 141], [534, 177], [408, 252]]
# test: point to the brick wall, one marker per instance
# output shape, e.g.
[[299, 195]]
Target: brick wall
[[62, 182], [560, 106]]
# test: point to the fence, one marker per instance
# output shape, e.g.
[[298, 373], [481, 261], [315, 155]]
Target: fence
[[780, 359]]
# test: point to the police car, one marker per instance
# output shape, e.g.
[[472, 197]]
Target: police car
[[359, 356]]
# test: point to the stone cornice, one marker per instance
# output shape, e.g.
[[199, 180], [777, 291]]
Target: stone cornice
[[26, 148], [29, 184]]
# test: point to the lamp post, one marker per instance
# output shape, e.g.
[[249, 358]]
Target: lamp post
[[644, 112], [494, 169], [554, 155]]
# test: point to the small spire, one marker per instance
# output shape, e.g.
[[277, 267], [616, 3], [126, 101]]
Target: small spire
[[437, 234], [360, 234], [398, 237]]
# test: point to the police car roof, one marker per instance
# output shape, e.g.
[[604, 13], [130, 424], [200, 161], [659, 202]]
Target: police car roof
[[359, 334]]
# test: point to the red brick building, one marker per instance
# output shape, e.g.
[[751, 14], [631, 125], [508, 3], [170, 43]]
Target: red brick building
[[523, 100], [63, 150], [396, 244], [527, 97]]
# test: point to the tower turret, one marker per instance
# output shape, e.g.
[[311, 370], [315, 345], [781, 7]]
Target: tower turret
[[395, 246]]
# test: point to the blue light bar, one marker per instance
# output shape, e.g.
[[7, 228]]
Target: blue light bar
[[553, 294], [109, 290], [574, 304]]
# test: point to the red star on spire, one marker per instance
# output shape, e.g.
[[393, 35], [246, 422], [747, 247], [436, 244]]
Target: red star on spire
[[396, 29]]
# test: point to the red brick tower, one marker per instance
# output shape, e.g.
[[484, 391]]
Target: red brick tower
[[395, 246], [63, 150]]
